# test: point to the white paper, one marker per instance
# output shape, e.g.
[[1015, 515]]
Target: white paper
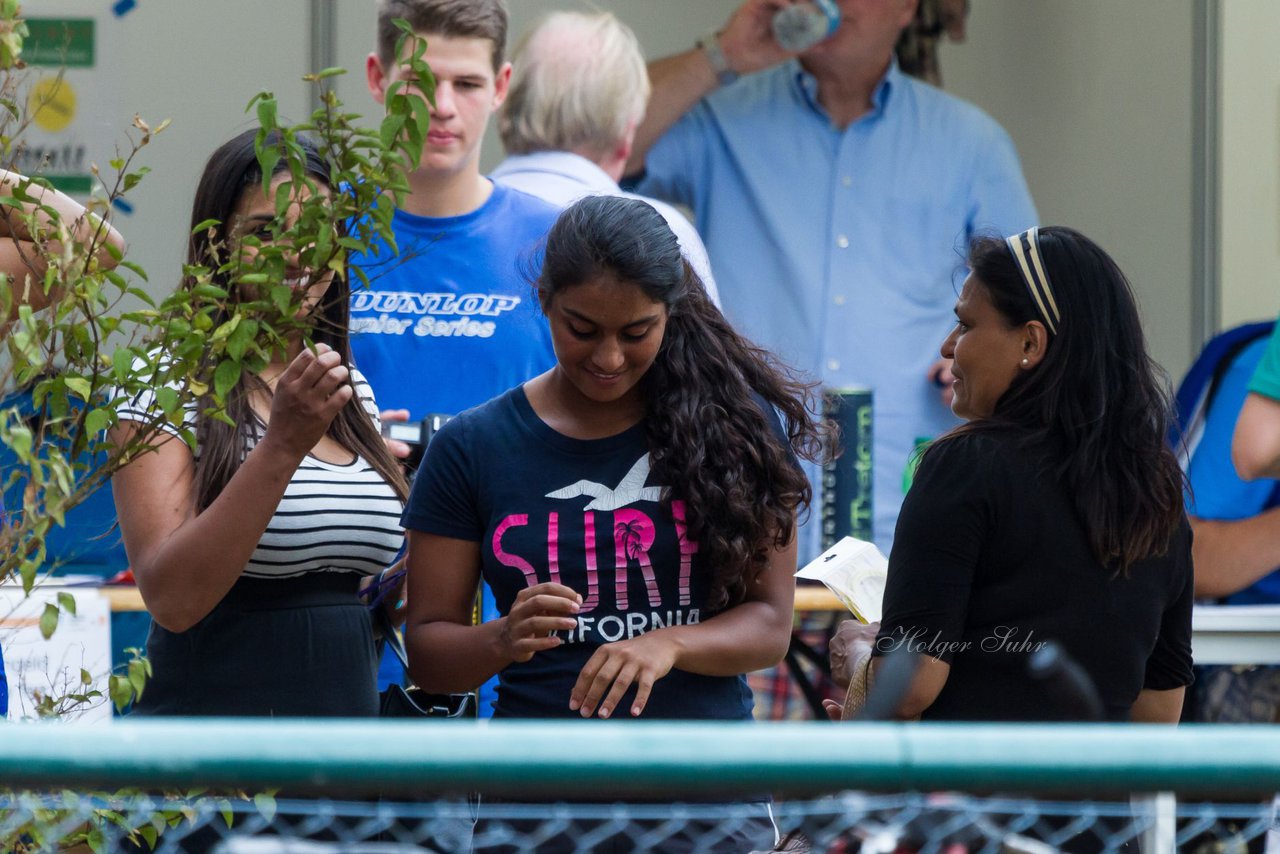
[[52, 667], [855, 571]]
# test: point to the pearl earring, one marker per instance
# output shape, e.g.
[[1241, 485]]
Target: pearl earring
[[1025, 362]]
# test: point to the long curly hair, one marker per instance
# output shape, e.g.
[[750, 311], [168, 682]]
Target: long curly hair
[[233, 170], [1097, 403], [709, 441]]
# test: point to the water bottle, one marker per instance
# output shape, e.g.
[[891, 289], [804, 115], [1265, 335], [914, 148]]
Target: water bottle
[[799, 27]]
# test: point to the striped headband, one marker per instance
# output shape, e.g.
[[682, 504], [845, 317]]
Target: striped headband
[[1026, 251]]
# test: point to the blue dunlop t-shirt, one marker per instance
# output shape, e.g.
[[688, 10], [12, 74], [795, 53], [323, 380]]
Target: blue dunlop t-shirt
[[583, 513], [453, 320]]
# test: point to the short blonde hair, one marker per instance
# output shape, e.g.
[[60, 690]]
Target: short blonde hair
[[579, 82]]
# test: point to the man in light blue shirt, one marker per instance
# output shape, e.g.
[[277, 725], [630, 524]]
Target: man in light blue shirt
[[571, 114], [836, 197]]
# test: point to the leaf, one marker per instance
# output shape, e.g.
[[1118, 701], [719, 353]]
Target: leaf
[[390, 129], [167, 398], [121, 362], [49, 620], [67, 602], [19, 441], [80, 387], [268, 158], [97, 420], [266, 805], [267, 118], [281, 297], [208, 291], [241, 338], [225, 329], [120, 692], [137, 677], [226, 377]]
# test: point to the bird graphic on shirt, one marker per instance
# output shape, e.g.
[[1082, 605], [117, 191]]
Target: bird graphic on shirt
[[629, 491]]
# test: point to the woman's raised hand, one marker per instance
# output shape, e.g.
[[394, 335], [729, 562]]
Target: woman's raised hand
[[537, 614], [308, 396], [615, 667]]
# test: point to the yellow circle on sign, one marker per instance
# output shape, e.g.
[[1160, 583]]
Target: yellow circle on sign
[[52, 104]]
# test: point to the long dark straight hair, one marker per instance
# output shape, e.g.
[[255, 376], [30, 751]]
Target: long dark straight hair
[[709, 441], [232, 171], [1097, 403]]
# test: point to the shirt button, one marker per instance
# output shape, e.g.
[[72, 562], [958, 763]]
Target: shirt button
[[839, 299], [833, 364], [846, 181], [842, 242]]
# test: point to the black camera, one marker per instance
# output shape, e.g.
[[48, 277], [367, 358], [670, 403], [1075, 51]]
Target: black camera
[[415, 434]]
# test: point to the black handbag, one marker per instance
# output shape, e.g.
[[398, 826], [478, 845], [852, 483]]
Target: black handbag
[[397, 701]]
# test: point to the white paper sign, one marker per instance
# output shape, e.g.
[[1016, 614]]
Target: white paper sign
[[855, 571], [35, 666]]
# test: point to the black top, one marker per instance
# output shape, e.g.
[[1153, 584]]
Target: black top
[[989, 561], [583, 513]]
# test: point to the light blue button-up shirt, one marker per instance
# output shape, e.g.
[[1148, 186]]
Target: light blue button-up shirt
[[842, 250]]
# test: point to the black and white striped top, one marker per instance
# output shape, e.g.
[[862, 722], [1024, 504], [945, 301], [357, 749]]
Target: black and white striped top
[[332, 518]]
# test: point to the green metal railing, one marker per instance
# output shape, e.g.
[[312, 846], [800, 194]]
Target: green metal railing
[[640, 759]]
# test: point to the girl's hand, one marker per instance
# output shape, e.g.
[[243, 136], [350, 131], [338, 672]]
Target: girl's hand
[[396, 602], [308, 396], [616, 666], [834, 709], [538, 612]]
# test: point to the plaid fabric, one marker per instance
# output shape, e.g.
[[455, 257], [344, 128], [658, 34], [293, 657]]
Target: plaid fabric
[[778, 698]]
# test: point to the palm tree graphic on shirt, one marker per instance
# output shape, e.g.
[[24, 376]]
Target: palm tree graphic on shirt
[[633, 533], [629, 491]]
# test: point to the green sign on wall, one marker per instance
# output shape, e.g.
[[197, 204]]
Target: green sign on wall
[[59, 42]]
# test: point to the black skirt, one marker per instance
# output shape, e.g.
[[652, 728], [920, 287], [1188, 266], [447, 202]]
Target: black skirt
[[299, 647]]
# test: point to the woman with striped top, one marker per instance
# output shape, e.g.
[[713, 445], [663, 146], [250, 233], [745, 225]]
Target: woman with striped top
[[250, 552]]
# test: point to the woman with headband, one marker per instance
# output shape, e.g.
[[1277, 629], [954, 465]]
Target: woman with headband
[[1053, 514]]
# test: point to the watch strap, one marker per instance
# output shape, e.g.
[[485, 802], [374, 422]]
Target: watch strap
[[710, 47]]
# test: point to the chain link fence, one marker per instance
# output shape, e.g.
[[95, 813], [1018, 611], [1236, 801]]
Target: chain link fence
[[322, 788], [947, 823]]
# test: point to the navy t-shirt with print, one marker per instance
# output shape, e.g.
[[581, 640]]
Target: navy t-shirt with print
[[583, 513]]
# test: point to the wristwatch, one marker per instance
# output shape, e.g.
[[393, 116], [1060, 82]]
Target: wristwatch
[[710, 47]]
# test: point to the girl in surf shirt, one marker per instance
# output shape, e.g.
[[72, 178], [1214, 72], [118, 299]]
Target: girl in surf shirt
[[633, 508]]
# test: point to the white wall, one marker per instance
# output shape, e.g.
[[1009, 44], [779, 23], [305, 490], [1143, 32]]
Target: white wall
[[1250, 162], [197, 64], [1097, 95]]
